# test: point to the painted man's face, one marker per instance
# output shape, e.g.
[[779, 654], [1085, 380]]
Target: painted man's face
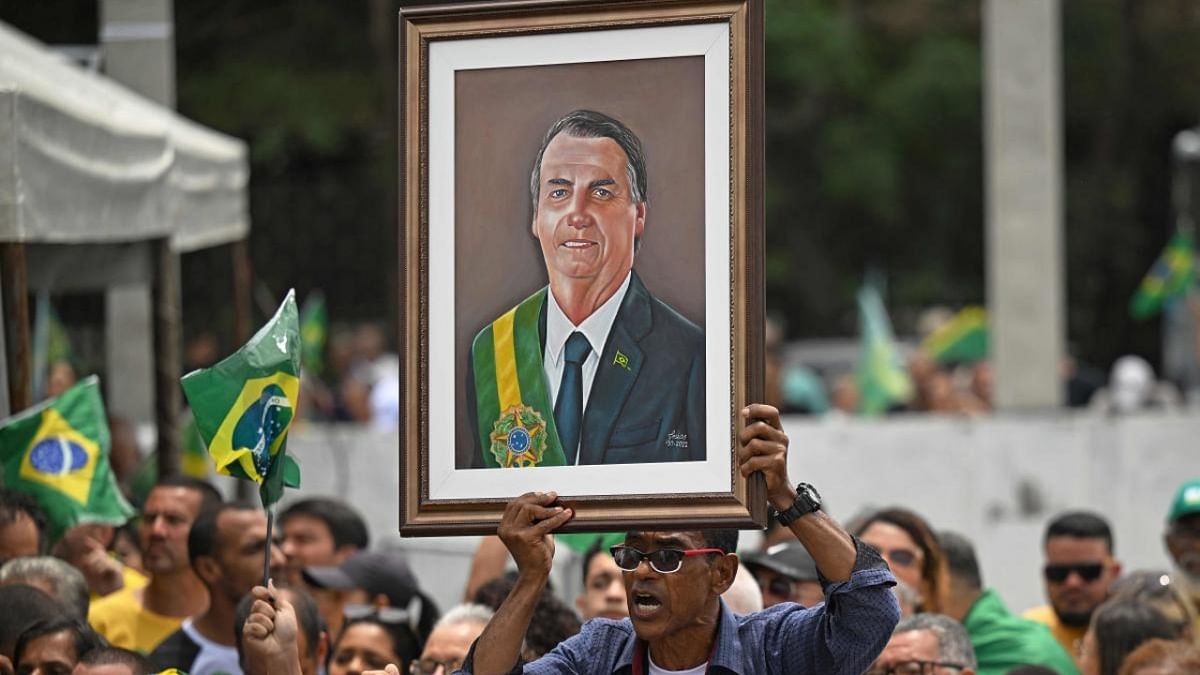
[[586, 219]]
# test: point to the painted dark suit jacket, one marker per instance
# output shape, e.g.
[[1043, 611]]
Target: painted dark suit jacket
[[653, 409]]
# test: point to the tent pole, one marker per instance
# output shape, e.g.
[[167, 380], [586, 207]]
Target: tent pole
[[168, 402], [17, 341]]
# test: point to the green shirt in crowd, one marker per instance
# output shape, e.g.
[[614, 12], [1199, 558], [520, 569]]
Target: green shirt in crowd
[[1004, 641]]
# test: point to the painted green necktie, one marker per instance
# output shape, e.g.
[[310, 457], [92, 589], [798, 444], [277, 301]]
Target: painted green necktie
[[568, 409]]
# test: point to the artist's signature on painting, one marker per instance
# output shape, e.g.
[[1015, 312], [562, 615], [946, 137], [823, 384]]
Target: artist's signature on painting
[[677, 440]]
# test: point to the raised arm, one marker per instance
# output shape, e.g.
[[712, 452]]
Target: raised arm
[[525, 529], [764, 447], [269, 642]]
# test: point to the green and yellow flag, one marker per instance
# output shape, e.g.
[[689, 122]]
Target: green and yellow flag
[[882, 379], [194, 459], [1170, 276], [58, 453], [245, 405], [962, 339], [314, 329]]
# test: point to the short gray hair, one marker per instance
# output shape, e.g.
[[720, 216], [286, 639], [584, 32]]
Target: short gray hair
[[954, 645], [66, 584], [465, 613], [592, 124]]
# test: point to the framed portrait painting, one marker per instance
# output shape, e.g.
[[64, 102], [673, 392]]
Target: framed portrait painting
[[580, 260]]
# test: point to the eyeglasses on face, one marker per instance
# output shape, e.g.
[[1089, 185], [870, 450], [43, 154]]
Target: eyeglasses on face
[[381, 614], [914, 667], [904, 557], [430, 666], [663, 561], [780, 587], [1058, 573]]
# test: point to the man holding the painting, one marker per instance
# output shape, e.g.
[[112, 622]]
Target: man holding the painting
[[592, 368], [674, 580]]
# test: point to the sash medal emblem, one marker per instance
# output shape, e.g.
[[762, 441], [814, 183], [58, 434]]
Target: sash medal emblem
[[519, 437]]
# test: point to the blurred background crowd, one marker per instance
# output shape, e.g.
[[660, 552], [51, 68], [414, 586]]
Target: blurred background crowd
[[172, 588]]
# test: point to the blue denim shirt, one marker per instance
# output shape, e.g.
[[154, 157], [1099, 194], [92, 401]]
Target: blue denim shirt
[[841, 636]]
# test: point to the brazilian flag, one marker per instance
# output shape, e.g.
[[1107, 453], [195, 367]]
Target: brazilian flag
[[882, 378], [314, 329], [962, 339], [1170, 276], [58, 453], [194, 460], [245, 405]]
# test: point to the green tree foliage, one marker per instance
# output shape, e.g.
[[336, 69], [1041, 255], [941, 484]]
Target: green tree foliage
[[311, 85], [874, 156]]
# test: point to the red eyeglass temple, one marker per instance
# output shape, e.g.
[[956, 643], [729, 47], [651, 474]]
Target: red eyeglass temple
[[702, 551]]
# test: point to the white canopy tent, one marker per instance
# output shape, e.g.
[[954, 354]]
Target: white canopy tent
[[85, 160], [101, 187]]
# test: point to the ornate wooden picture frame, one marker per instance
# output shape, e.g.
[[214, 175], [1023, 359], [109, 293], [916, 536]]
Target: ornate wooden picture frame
[[556, 154]]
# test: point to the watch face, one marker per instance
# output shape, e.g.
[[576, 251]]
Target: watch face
[[809, 492]]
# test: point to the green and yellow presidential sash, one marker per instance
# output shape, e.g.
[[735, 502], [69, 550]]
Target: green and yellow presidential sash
[[515, 415]]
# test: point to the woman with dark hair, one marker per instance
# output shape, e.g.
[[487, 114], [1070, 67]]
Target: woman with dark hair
[[1118, 627], [371, 642], [911, 550]]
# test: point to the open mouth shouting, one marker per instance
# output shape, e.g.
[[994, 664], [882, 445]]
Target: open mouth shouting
[[646, 604]]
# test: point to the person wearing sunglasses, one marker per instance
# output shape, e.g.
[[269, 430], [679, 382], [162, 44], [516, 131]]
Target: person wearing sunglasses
[[673, 583], [786, 573], [1002, 640], [926, 644], [1078, 572]]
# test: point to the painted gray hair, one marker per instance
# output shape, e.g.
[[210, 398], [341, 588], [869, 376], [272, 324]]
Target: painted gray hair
[[592, 124], [954, 645], [67, 584], [465, 613]]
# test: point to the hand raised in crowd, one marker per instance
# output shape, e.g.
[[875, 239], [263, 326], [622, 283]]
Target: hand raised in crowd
[[269, 636], [764, 448], [82, 546], [525, 530]]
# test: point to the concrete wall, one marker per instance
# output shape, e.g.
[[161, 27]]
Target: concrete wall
[[996, 480]]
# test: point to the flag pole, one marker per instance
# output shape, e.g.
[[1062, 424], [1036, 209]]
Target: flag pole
[[270, 543]]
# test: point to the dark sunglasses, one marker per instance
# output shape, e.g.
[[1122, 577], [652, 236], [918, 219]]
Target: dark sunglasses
[[901, 556], [1059, 573], [663, 561], [780, 587]]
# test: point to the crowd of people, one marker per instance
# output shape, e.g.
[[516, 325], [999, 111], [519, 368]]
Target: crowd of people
[[888, 594]]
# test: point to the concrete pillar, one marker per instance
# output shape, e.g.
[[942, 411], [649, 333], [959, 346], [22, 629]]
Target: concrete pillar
[[1024, 188], [129, 352], [138, 42]]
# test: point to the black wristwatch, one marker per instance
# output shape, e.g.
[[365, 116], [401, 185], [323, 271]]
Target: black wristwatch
[[807, 501]]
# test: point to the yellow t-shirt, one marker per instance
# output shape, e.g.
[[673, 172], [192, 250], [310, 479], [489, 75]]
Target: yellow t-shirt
[[1068, 636], [124, 622]]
